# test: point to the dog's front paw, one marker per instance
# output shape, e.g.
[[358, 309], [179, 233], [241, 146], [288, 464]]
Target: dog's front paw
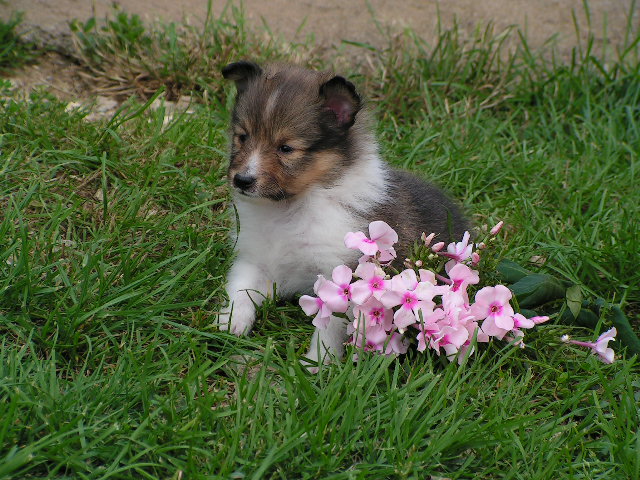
[[237, 318], [326, 344]]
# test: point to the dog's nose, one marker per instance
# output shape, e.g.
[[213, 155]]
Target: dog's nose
[[243, 182]]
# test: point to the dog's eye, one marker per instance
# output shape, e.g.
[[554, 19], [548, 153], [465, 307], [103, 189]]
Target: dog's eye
[[285, 149], [242, 137]]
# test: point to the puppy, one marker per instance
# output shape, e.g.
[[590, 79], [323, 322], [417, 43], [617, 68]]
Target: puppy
[[305, 170]]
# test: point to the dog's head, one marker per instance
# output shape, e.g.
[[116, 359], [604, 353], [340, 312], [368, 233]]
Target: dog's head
[[291, 129]]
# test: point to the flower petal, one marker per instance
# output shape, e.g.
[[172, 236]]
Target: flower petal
[[520, 321], [354, 239], [342, 275], [310, 305], [391, 299], [427, 276], [331, 294], [404, 318], [365, 270], [490, 328], [502, 294], [382, 234], [504, 321], [360, 292]]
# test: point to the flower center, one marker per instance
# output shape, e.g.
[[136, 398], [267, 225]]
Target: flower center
[[495, 308], [376, 316], [409, 301]]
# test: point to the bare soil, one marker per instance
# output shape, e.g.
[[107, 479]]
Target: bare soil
[[330, 22]]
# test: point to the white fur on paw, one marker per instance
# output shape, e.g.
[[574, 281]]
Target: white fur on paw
[[237, 319]]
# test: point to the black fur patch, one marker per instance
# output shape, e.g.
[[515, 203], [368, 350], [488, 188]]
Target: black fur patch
[[414, 207]]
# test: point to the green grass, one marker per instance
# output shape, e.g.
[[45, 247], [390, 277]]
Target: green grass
[[113, 253], [14, 50]]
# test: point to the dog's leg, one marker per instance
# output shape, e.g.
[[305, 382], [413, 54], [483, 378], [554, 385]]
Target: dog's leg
[[247, 287], [328, 342]]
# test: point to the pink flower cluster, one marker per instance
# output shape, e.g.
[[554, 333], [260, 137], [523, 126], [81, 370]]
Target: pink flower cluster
[[386, 311]]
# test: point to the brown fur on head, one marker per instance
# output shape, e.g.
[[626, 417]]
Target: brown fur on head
[[291, 128]]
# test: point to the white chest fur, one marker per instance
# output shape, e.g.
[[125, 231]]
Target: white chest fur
[[291, 242]]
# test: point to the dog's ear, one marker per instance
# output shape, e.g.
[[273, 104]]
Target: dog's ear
[[241, 72], [340, 97]]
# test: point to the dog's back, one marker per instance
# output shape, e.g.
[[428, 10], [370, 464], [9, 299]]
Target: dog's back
[[414, 206]]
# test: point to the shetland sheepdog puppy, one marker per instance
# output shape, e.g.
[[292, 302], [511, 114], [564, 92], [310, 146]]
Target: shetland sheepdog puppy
[[305, 169]]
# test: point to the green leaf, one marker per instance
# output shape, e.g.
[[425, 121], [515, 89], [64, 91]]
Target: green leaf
[[528, 313], [574, 299], [511, 272], [585, 318], [537, 289], [626, 335]]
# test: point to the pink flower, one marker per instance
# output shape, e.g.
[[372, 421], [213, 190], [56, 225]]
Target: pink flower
[[455, 334], [600, 346], [462, 276], [372, 283], [492, 306], [376, 339], [359, 241], [428, 327], [384, 308], [373, 336], [458, 252], [404, 292], [337, 293], [316, 306], [372, 312], [382, 239], [519, 321]]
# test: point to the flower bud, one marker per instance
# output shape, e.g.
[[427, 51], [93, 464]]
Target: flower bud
[[539, 319], [437, 247], [427, 239], [497, 228]]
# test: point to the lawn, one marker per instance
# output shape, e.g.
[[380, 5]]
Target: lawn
[[114, 246]]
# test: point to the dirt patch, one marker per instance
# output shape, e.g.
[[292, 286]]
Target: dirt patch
[[327, 24], [332, 21], [55, 73]]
